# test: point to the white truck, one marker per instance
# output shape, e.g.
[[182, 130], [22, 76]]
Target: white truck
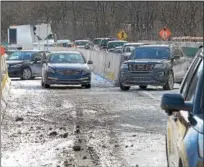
[[30, 36]]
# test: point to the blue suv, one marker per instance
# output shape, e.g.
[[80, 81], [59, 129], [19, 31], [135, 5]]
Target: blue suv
[[185, 128]]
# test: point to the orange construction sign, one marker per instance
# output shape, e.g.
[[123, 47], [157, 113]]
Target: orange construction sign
[[165, 33], [2, 51]]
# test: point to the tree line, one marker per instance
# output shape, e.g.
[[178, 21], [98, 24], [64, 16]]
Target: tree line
[[78, 19]]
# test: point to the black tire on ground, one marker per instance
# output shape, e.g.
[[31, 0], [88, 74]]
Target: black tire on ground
[[26, 74], [46, 85], [42, 83], [87, 86], [143, 87], [170, 82], [124, 88]]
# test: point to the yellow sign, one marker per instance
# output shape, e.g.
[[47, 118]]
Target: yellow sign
[[122, 35]]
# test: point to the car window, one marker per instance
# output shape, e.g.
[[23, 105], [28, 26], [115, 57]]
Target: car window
[[81, 43], [151, 53], [115, 44], [20, 56], [193, 83], [66, 58], [39, 55], [178, 52], [188, 77]]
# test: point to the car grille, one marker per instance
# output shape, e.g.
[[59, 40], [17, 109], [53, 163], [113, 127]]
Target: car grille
[[69, 72], [140, 67]]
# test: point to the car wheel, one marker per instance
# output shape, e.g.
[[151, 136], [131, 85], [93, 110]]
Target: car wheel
[[46, 85], [87, 86], [142, 87], [124, 88], [42, 84], [26, 74], [170, 82]]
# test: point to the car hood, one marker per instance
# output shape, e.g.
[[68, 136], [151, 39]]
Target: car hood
[[61, 66], [12, 62], [148, 61]]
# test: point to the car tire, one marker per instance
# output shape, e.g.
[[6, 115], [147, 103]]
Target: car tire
[[42, 84], [124, 88], [87, 86], [26, 74], [170, 82], [46, 85], [143, 87]]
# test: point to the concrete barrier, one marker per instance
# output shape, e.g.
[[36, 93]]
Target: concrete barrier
[[5, 83]]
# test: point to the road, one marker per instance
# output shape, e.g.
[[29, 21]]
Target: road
[[101, 126]]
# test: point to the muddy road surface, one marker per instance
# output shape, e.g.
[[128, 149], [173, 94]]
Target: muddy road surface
[[76, 127]]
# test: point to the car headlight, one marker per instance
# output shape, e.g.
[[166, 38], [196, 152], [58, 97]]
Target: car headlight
[[124, 66], [200, 145], [160, 65], [49, 69], [16, 65]]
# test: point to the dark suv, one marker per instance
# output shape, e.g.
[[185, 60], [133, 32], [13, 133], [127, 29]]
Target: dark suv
[[159, 65], [185, 128], [25, 64]]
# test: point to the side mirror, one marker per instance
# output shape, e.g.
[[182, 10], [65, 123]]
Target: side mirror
[[174, 102], [90, 62]]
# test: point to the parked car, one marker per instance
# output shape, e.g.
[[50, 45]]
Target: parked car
[[159, 65], [87, 44], [66, 68], [128, 48], [112, 44], [64, 43], [26, 64], [185, 127]]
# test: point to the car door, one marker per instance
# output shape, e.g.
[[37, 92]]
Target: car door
[[178, 123], [177, 61], [184, 63], [37, 65]]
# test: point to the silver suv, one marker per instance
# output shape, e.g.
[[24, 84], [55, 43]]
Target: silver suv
[[158, 65]]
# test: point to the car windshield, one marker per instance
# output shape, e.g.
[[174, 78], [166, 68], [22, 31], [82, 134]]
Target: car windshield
[[129, 48], [20, 56], [66, 58], [115, 44], [151, 53], [81, 43], [96, 41], [104, 42]]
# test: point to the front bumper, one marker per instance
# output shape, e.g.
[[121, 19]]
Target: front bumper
[[77, 80], [158, 78], [14, 71]]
